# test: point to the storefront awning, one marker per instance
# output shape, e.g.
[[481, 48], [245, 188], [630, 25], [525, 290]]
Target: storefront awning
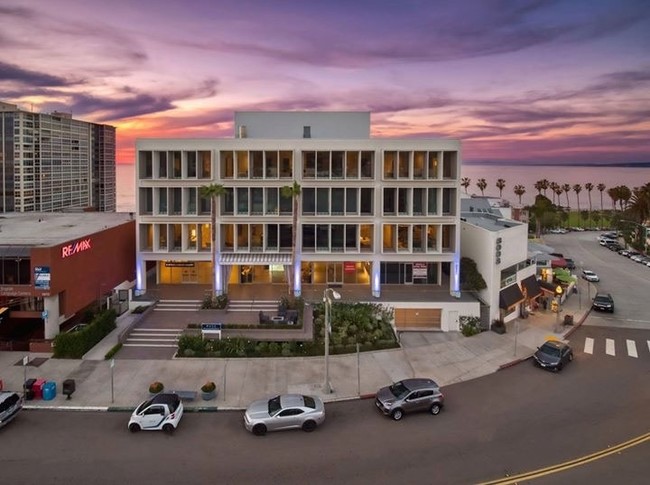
[[510, 296], [548, 287], [255, 258], [531, 287]]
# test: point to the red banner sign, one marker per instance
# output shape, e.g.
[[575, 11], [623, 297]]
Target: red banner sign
[[349, 266]]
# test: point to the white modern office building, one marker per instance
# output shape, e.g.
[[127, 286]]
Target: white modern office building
[[51, 162], [372, 212]]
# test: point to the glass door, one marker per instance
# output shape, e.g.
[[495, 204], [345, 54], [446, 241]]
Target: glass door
[[335, 273]]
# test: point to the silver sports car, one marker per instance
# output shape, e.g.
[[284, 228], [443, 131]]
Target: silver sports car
[[286, 411]]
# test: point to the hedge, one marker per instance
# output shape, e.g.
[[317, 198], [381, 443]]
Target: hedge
[[74, 345]]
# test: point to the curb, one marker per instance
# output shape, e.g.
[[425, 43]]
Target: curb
[[68, 408], [578, 325], [513, 363]]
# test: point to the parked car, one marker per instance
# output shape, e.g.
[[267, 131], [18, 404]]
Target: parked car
[[570, 263], [162, 412], [603, 302], [10, 405], [410, 395], [553, 355], [590, 276], [624, 252], [287, 411]]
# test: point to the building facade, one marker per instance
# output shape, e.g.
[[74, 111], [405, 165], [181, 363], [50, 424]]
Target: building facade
[[52, 266], [52, 162], [371, 212]]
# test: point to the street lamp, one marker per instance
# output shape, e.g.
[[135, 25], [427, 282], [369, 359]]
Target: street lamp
[[558, 294], [328, 294]]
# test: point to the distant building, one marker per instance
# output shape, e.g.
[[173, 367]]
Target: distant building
[[373, 213], [52, 162]]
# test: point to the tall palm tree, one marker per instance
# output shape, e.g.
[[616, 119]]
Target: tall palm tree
[[554, 186], [589, 187], [613, 194], [601, 188], [577, 188], [213, 192], [566, 188], [625, 194], [538, 187], [519, 190], [465, 182], [545, 184], [558, 192], [292, 191], [481, 184], [640, 203], [501, 184]]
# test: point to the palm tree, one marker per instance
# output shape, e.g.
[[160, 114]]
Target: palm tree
[[625, 194], [577, 188], [554, 186], [613, 194], [501, 184], [293, 192], [558, 191], [545, 185], [601, 188], [481, 184], [566, 188], [465, 182], [519, 190], [538, 187], [640, 203], [589, 187], [213, 192]]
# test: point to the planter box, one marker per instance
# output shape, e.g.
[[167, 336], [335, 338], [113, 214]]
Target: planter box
[[209, 396]]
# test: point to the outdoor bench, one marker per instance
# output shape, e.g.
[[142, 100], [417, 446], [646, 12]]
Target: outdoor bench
[[186, 395]]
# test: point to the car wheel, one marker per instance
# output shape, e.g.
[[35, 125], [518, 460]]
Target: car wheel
[[309, 426], [134, 427], [168, 428], [571, 357], [559, 367], [397, 414], [259, 430], [435, 409]]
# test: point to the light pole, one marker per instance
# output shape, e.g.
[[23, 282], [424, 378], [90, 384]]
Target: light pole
[[328, 294]]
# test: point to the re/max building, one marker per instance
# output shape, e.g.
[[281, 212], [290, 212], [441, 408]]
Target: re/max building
[[372, 212], [54, 265]]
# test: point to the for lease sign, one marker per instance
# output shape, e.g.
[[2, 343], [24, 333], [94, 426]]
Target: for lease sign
[[76, 247]]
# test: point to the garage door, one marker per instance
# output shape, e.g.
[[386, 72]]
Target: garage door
[[418, 318]]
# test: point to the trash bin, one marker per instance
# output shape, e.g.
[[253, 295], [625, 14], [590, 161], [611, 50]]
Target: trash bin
[[49, 390], [568, 319], [29, 384], [38, 388], [68, 387]]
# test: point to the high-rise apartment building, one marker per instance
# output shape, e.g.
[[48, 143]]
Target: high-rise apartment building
[[52, 162]]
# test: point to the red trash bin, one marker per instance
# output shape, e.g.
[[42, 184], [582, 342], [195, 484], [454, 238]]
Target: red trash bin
[[38, 388]]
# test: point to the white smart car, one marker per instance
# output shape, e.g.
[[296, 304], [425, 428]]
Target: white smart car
[[590, 276], [162, 412]]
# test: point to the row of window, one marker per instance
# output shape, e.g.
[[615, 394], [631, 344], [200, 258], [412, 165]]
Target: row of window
[[314, 201], [403, 238], [279, 164]]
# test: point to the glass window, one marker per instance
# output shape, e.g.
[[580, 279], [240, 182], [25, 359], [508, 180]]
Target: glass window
[[205, 237], [308, 198], [272, 237], [403, 201], [177, 200], [191, 165], [322, 237], [337, 164], [162, 237], [403, 238], [448, 199], [323, 164], [177, 232], [227, 202], [145, 161], [271, 164], [351, 203], [286, 239], [162, 165], [309, 165], [286, 164], [389, 165], [367, 164], [351, 238], [418, 165], [449, 165], [271, 200], [286, 205], [257, 237], [419, 238], [337, 237], [191, 236], [242, 200], [257, 164], [432, 237], [176, 158], [366, 202], [242, 237], [323, 201], [228, 236], [191, 200], [227, 164], [257, 200], [404, 164], [308, 237], [352, 165], [418, 201], [389, 201], [389, 237], [432, 202], [338, 200], [433, 165], [206, 165], [242, 164]]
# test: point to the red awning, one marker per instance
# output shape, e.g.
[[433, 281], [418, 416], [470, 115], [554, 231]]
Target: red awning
[[558, 263]]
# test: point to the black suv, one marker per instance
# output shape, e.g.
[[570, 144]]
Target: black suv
[[603, 302]]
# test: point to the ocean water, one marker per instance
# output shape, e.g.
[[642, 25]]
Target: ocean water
[[512, 174]]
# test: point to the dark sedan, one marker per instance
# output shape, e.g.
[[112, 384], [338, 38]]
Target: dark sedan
[[553, 355], [603, 302]]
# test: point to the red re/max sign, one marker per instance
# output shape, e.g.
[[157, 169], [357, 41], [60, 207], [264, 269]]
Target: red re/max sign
[[75, 248]]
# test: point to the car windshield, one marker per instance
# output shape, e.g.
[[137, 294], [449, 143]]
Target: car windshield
[[398, 389], [9, 402], [274, 405], [144, 405], [309, 402], [602, 299], [550, 350]]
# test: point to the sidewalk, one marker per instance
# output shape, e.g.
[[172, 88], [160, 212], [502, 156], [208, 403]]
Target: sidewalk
[[446, 357]]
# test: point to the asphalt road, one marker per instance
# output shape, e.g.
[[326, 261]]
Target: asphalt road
[[514, 421]]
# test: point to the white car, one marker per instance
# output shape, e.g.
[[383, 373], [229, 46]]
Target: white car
[[286, 411], [10, 405], [590, 276], [162, 412]]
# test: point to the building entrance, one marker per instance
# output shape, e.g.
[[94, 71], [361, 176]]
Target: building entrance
[[334, 273]]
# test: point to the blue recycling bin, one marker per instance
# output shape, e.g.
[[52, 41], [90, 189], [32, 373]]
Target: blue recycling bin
[[49, 390]]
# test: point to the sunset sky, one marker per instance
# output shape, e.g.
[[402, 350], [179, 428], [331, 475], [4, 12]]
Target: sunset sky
[[530, 80]]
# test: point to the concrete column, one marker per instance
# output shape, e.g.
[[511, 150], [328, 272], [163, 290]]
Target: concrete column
[[51, 316]]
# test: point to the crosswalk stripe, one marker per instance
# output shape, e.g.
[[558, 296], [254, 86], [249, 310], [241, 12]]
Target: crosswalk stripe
[[609, 346], [631, 348], [589, 345]]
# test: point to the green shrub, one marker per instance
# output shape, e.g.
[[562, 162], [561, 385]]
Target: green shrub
[[140, 309], [470, 325], [116, 348], [217, 302], [74, 345]]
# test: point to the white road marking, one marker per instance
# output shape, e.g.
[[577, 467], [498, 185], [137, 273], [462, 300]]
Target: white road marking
[[589, 345], [648, 345], [631, 348], [609, 347]]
